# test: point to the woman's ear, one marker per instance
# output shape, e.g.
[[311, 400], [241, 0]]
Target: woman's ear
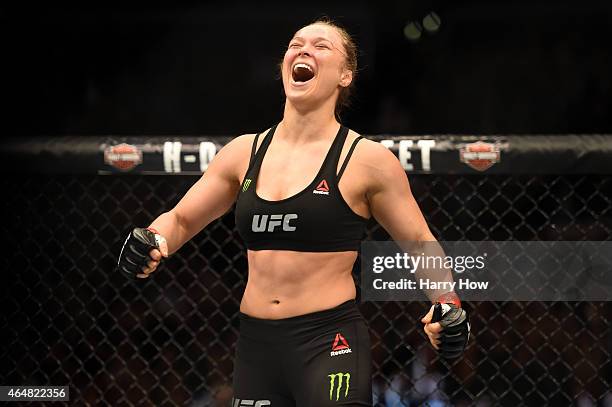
[[346, 78]]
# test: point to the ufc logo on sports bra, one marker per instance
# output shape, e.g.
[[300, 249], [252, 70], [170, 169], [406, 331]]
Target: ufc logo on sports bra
[[267, 223]]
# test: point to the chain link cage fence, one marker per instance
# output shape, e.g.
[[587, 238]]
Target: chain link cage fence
[[69, 319]]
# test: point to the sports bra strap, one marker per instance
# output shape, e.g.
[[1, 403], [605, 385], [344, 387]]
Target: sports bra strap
[[253, 149], [348, 156], [261, 151]]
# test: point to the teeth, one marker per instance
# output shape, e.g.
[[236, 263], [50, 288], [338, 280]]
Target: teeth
[[301, 65]]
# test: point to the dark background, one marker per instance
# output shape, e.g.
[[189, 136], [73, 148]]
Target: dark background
[[189, 68], [210, 67]]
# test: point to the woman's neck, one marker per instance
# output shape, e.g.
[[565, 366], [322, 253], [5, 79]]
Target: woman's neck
[[301, 126]]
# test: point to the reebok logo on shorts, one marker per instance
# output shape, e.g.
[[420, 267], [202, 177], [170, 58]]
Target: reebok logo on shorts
[[322, 188], [340, 346]]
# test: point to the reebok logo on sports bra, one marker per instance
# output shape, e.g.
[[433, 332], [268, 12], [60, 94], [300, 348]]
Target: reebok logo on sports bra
[[265, 223], [322, 188]]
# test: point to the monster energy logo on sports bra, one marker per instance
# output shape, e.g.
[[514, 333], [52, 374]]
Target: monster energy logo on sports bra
[[246, 184]]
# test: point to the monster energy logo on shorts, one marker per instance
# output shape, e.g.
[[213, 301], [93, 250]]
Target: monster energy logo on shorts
[[339, 385], [247, 182]]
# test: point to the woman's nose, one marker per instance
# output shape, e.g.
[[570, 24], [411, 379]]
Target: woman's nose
[[304, 51]]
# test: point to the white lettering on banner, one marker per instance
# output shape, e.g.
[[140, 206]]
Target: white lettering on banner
[[207, 153], [480, 155], [387, 143], [426, 146], [404, 154], [172, 156], [173, 150]]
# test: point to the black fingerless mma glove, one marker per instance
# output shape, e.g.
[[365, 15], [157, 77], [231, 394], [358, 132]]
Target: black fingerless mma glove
[[135, 252], [455, 329]]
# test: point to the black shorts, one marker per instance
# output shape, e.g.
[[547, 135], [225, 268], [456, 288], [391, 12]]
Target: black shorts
[[313, 360]]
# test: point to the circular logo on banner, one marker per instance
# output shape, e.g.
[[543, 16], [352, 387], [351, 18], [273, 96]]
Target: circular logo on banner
[[123, 156], [479, 155]]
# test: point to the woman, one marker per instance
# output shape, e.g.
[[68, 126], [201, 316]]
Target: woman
[[304, 190]]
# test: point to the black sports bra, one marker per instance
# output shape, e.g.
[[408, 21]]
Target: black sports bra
[[317, 219]]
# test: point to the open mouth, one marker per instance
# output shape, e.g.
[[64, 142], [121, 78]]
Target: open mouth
[[302, 72]]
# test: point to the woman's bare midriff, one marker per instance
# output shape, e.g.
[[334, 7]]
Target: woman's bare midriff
[[283, 284]]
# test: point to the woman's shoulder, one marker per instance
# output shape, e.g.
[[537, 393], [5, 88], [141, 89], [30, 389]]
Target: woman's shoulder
[[374, 165], [235, 155], [367, 149], [244, 142]]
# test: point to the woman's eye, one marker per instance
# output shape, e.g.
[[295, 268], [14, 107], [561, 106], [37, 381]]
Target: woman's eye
[[322, 46], [294, 45]]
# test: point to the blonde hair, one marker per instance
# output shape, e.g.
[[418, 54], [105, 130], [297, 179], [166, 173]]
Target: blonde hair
[[350, 62]]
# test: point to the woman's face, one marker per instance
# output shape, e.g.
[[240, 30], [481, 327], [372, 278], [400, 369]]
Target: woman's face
[[314, 65]]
